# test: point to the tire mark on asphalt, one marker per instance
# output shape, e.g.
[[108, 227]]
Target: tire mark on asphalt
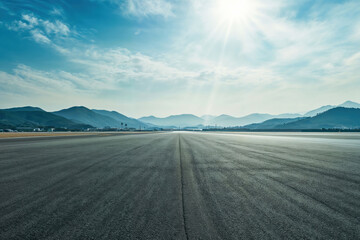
[[315, 199], [257, 154], [201, 144], [202, 222], [182, 191], [252, 154]]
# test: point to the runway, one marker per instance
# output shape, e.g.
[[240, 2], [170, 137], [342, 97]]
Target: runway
[[181, 185]]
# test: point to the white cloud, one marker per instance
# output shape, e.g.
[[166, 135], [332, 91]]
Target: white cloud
[[33, 21], [43, 31], [51, 89], [18, 25], [39, 36], [32, 81], [56, 12], [56, 27], [27, 22], [143, 8], [121, 65]]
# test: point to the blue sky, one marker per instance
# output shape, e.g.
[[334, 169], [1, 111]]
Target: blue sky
[[159, 57]]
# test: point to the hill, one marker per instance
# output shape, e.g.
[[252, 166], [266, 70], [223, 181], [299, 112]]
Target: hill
[[347, 104], [17, 118], [318, 110], [230, 121], [120, 118], [271, 123], [207, 119], [226, 121], [84, 115], [24, 109], [174, 121], [339, 117], [350, 104]]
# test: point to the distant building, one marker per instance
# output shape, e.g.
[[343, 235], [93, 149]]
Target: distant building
[[25, 129]]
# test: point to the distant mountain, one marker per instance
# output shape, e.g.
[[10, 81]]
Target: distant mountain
[[338, 117], [189, 120], [347, 104], [318, 110], [84, 115], [131, 123], [183, 120], [288, 115], [350, 104], [223, 121], [230, 121], [36, 118], [271, 123], [207, 118], [25, 109]]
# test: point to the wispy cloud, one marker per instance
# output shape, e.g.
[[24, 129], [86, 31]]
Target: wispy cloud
[[39, 36], [56, 27], [42, 31], [27, 22], [143, 8], [56, 11]]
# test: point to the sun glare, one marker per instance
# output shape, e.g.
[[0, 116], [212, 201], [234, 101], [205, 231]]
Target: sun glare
[[235, 10]]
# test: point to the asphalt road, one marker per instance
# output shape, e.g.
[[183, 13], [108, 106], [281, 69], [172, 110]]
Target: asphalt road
[[181, 186]]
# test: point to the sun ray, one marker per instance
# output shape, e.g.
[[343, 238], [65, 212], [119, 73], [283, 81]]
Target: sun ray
[[235, 16]]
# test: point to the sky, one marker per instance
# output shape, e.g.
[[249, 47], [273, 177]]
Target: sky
[[162, 57]]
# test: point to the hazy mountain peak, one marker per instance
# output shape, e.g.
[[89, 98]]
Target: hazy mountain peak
[[121, 118], [224, 115], [33, 117], [78, 108], [350, 104], [338, 117], [181, 120], [347, 102], [25, 108], [318, 110]]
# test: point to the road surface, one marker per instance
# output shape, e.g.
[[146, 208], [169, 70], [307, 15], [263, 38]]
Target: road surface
[[181, 186]]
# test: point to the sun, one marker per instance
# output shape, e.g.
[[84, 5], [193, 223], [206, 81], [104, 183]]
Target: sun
[[240, 11]]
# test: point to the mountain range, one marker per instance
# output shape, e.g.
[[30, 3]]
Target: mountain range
[[342, 116], [226, 120], [339, 118], [77, 117], [334, 118], [271, 123], [33, 117], [187, 120], [174, 121], [347, 104]]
